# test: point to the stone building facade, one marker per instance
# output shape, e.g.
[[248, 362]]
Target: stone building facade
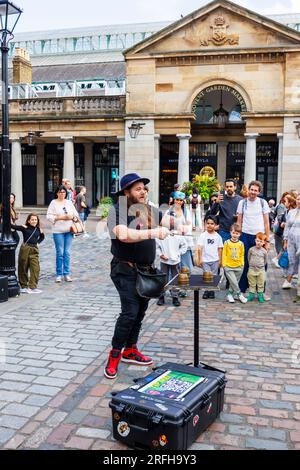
[[218, 88]]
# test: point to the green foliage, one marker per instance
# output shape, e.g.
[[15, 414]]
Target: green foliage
[[104, 207], [206, 186]]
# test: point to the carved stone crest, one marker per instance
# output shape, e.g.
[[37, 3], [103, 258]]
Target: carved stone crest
[[219, 34]]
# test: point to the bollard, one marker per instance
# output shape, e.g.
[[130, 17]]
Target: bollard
[[3, 289]]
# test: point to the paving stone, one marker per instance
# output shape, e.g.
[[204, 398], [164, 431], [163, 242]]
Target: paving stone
[[77, 416], [20, 410], [265, 444], [270, 433], [241, 430], [37, 400], [43, 390], [12, 422], [6, 435], [37, 438], [56, 419], [93, 433]]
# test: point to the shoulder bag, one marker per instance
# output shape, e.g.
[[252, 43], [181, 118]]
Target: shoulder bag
[[150, 282], [77, 226]]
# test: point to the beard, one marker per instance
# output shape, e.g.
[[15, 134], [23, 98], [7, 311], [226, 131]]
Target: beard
[[134, 200]]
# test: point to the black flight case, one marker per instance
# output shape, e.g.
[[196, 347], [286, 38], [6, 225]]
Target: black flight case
[[168, 409]]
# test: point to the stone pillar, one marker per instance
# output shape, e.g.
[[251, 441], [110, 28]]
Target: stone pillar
[[16, 171], [280, 169], [250, 160], [88, 171], [69, 160], [222, 161], [121, 156], [184, 158], [40, 174], [139, 152], [155, 183]]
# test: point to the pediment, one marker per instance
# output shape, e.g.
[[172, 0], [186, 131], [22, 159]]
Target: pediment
[[218, 26]]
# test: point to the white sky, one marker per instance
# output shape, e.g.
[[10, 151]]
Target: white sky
[[56, 14]]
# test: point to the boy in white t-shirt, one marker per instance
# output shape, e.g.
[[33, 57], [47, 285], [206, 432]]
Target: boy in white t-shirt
[[208, 255]]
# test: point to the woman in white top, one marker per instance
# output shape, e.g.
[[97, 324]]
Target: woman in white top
[[61, 214]]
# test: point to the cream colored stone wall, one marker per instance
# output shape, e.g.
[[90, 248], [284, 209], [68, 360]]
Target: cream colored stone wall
[[291, 156], [140, 152], [141, 86], [262, 83], [292, 82]]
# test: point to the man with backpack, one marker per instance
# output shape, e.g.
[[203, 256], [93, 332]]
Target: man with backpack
[[253, 216]]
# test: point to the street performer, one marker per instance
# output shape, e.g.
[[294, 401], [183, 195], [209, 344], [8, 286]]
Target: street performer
[[133, 226]]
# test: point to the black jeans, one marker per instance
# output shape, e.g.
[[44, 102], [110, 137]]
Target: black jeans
[[133, 307]]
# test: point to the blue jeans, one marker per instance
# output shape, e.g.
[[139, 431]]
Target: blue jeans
[[249, 242], [63, 243]]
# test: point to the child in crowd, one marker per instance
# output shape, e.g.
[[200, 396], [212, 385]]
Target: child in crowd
[[29, 254], [170, 251], [233, 263], [208, 252], [257, 258]]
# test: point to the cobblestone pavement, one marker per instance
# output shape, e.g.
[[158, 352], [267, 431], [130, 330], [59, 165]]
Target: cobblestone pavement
[[53, 348]]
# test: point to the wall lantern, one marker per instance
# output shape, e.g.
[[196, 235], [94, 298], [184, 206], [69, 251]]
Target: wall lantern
[[297, 128], [135, 129], [220, 116], [31, 137]]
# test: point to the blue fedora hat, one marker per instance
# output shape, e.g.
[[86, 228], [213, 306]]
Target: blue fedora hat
[[128, 180]]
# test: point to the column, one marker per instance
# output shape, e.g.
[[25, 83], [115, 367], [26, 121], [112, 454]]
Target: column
[[156, 178], [69, 160], [121, 156], [184, 158], [280, 168], [222, 161], [88, 171], [250, 160], [40, 174], [16, 171]]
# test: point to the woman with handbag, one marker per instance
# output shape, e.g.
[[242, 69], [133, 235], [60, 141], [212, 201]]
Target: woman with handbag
[[62, 214], [291, 237]]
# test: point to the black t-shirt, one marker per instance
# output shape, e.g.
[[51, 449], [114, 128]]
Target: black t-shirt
[[31, 235], [142, 253]]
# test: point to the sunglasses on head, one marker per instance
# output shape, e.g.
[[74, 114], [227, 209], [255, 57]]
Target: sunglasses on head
[[65, 210]]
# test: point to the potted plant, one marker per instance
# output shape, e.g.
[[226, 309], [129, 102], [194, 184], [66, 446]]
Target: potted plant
[[205, 185]]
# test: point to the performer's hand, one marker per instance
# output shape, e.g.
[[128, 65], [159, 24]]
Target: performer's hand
[[165, 258], [267, 246], [285, 245]]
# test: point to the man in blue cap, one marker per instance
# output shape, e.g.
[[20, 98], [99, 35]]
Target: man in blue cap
[[133, 226]]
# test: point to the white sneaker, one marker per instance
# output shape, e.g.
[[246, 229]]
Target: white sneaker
[[286, 285], [230, 299], [68, 279], [24, 291], [242, 299], [275, 262], [295, 276], [34, 291], [58, 279]]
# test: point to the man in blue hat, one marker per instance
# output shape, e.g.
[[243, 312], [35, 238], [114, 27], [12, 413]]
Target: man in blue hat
[[133, 226]]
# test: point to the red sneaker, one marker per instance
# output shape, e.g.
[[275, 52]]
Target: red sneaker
[[134, 356], [111, 369]]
